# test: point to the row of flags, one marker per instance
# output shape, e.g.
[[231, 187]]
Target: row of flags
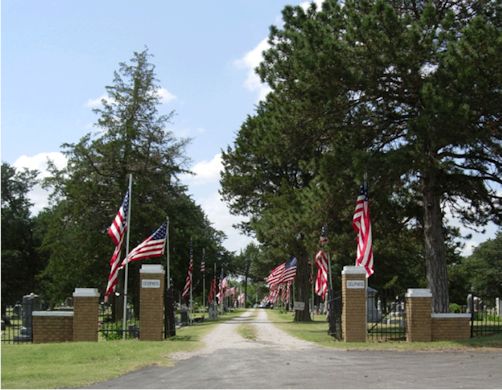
[[279, 279], [361, 223], [152, 246]]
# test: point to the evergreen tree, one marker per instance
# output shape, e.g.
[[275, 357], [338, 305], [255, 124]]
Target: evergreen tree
[[133, 139], [405, 91], [20, 261]]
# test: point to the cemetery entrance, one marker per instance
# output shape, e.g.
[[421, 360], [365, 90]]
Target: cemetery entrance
[[386, 316], [111, 326]]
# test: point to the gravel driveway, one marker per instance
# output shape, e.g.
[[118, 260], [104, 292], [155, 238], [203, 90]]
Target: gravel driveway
[[277, 360]]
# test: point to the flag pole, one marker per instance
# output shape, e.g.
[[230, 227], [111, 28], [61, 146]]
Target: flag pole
[[312, 284], [204, 279], [126, 274], [213, 304], [168, 274], [191, 284]]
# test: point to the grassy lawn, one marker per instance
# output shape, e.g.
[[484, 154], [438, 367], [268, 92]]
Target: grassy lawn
[[247, 330], [317, 332], [80, 364]]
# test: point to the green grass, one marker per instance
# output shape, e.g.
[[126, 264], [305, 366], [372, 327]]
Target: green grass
[[246, 330], [80, 364], [317, 332]]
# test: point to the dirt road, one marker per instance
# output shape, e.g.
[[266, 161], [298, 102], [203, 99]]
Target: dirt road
[[277, 360]]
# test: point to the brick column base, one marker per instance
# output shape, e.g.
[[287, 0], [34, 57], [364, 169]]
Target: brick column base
[[151, 305], [85, 318], [418, 314], [354, 285]]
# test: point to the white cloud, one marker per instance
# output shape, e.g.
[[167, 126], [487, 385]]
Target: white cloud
[[38, 196], [162, 93], [306, 4], [218, 213], [39, 162], [206, 172], [254, 57], [250, 61], [165, 96], [97, 102], [204, 187]]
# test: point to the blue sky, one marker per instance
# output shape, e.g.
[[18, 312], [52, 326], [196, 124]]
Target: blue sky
[[58, 56]]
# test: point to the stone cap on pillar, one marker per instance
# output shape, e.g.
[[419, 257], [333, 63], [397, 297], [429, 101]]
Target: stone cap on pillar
[[52, 313], [418, 293], [151, 269], [85, 292], [353, 270]]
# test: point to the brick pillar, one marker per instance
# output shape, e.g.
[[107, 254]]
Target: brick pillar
[[85, 317], [151, 305], [418, 314], [354, 285]]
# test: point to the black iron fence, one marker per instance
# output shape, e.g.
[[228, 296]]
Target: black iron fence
[[486, 315], [335, 314], [111, 325], [386, 316], [16, 325]]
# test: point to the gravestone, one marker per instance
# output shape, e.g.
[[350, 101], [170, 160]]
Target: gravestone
[[30, 304], [470, 303], [184, 315], [213, 312], [373, 312], [16, 311]]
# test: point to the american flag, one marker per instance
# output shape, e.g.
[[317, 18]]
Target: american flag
[[223, 287], [203, 262], [119, 224], [212, 291], [275, 276], [286, 291], [273, 295], [116, 232], [188, 283], [362, 226], [114, 271], [321, 282], [289, 271], [153, 246]]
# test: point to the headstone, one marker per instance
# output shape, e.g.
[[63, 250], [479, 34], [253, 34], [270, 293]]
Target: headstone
[[16, 311], [478, 304], [31, 303], [470, 303], [184, 315], [213, 312], [373, 312]]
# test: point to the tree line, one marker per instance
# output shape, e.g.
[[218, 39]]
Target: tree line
[[407, 92], [66, 245]]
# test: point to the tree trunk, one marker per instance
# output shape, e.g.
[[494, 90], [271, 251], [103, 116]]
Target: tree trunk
[[302, 292], [435, 259]]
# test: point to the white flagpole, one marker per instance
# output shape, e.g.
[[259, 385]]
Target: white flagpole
[[204, 279], [124, 317], [191, 283], [168, 274]]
